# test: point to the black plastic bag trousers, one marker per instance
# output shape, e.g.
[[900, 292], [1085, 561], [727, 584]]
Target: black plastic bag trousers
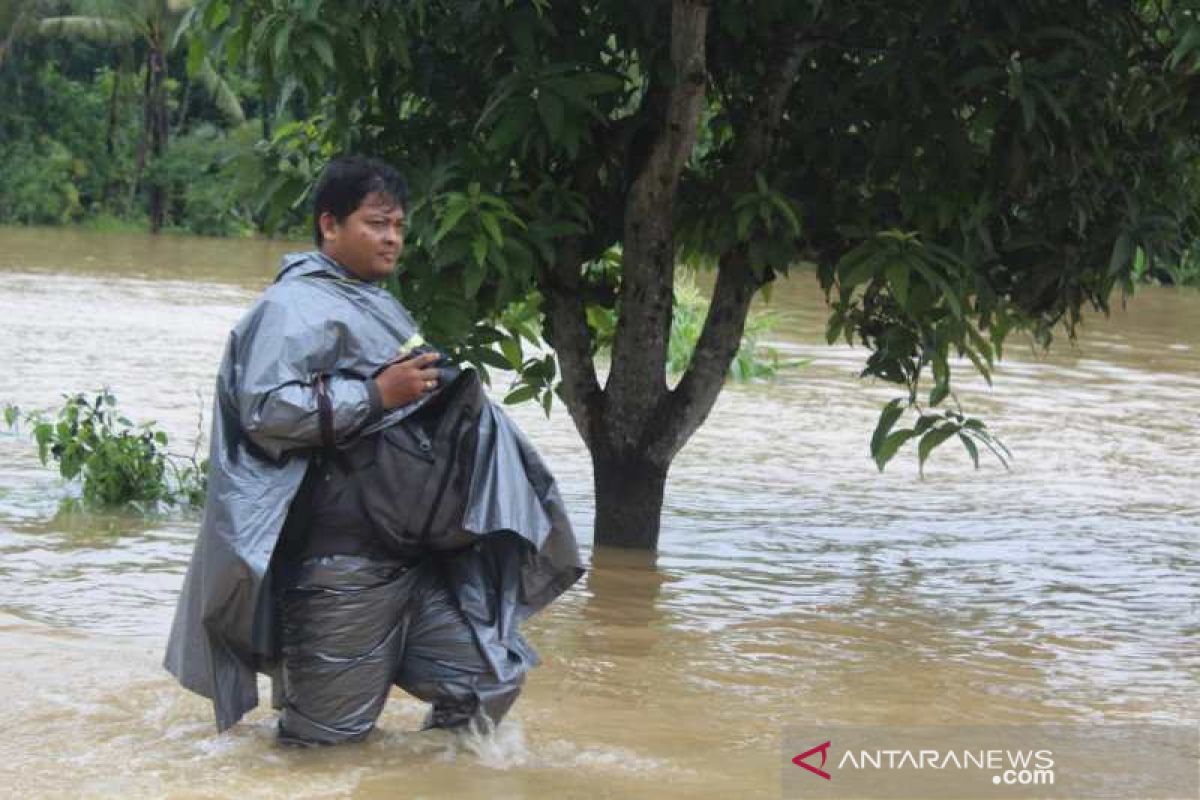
[[353, 626]]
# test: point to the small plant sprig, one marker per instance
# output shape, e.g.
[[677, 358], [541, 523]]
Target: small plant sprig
[[119, 462]]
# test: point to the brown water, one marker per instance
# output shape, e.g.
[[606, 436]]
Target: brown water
[[795, 584]]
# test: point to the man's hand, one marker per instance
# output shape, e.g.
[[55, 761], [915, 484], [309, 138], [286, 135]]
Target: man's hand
[[402, 383]]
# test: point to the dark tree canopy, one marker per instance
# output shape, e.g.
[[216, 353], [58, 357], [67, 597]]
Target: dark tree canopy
[[955, 169]]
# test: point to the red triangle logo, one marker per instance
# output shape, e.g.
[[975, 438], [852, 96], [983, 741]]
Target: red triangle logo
[[823, 750]]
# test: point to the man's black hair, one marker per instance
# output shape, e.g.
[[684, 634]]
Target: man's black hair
[[347, 180]]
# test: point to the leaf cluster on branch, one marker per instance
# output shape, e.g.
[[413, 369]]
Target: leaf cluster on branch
[[957, 170]]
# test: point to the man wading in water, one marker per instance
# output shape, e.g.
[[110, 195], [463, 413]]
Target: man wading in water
[[372, 519]]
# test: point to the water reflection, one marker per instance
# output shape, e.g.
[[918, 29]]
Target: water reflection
[[623, 590]]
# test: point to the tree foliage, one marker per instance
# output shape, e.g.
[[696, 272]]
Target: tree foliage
[[73, 126], [956, 170]]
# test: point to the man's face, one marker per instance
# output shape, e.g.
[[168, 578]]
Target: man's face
[[369, 240]]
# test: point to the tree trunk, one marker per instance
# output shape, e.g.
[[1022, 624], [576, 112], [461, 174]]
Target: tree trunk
[[140, 163], [621, 422], [629, 500], [112, 185], [635, 425], [156, 111], [266, 113], [181, 117], [114, 97]]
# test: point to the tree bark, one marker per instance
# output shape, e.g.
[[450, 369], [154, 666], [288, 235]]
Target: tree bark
[[143, 143], [629, 499], [110, 135], [638, 379], [156, 111]]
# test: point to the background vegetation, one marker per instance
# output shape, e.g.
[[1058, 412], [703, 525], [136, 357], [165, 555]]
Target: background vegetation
[[109, 121]]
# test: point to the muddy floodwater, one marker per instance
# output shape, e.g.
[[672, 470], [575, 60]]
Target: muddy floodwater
[[795, 584]]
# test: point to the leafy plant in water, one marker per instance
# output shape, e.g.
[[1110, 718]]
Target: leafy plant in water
[[119, 462], [753, 359]]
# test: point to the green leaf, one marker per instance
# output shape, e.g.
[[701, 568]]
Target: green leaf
[[324, 49], [744, 218], [981, 367], [490, 357], [510, 128], [939, 392], [550, 109], [512, 351], [492, 227], [925, 423], [520, 395], [282, 42], [195, 55], [455, 210], [475, 272], [941, 377], [972, 450], [215, 14], [853, 273], [1188, 42], [897, 277], [890, 445], [1121, 253], [887, 418], [931, 440], [833, 329], [785, 209], [1028, 110], [937, 281]]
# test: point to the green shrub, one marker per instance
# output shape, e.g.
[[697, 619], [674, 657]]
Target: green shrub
[[37, 183], [118, 462], [753, 359], [201, 172]]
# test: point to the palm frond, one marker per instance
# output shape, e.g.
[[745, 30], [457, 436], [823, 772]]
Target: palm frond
[[223, 96], [97, 29]]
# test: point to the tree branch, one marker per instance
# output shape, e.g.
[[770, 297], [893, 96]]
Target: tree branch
[[684, 410], [638, 379], [567, 332], [687, 406]]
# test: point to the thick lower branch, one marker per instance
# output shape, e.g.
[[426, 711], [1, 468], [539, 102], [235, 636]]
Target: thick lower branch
[[567, 332], [682, 412], [688, 405]]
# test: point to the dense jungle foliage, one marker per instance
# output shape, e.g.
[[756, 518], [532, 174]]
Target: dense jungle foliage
[[103, 123]]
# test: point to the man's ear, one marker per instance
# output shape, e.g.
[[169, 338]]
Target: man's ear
[[329, 226]]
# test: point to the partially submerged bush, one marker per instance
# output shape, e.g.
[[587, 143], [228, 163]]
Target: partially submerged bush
[[753, 359], [118, 462]]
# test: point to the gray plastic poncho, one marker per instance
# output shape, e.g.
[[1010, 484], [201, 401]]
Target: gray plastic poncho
[[317, 319]]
